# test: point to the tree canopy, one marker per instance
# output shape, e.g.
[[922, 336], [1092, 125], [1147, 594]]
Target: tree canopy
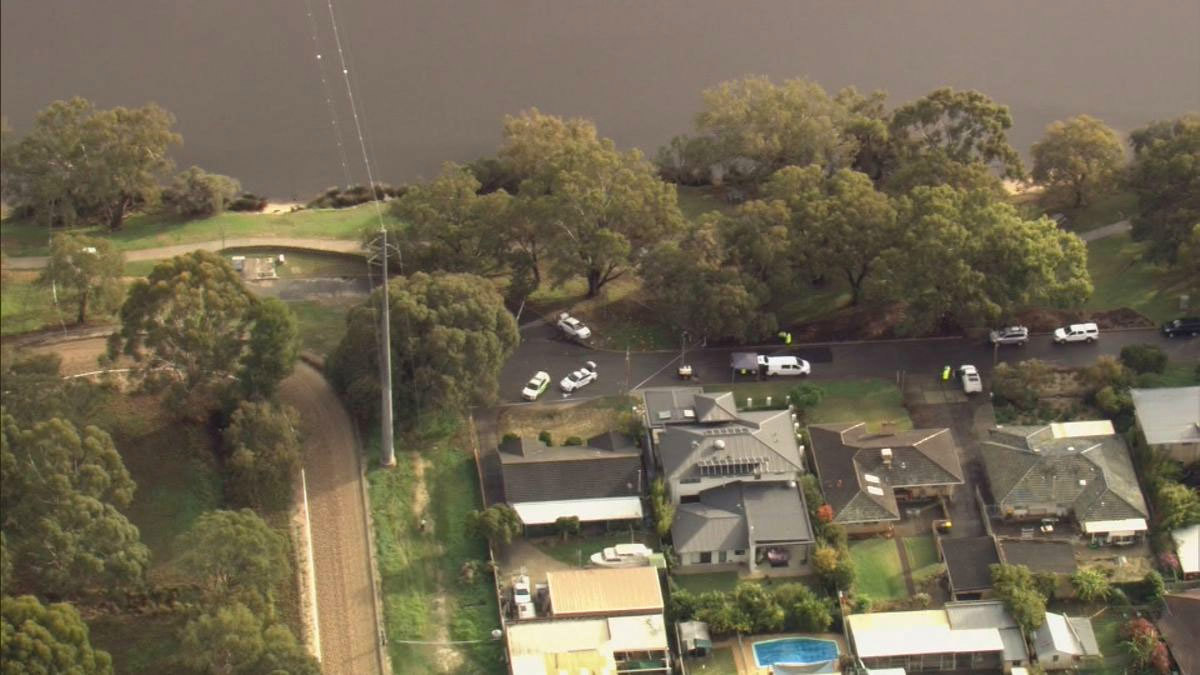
[[498, 523], [964, 127], [196, 193], [598, 209], [1165, 175], [85, 271], [58, 507], [37, 638], [185, 324], [1078, 158], [264, 454], [1014, 586], [235, 554], [450, 337], [83, 165], [233, 640]]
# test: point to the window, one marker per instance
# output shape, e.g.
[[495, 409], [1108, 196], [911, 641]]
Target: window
[[706, 558], [1056, 657], [689, 499], [740, 551], [722, 557]]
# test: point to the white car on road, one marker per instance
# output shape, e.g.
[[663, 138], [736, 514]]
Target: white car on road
[[536, 386], [580, 378], [971, 382], [1077, 332], [572, 327]]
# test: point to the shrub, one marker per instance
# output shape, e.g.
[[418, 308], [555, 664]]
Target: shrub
[[573, 440], [195, 193], [805, 397], [545, 437], [1144, 358], [1018, 385], [1107, 371], [339, 198], [248, 201], [510, 436]]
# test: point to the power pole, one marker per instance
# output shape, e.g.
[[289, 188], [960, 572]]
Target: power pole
[[388, 444]]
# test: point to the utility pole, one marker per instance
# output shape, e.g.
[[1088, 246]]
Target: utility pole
[[389, 446]]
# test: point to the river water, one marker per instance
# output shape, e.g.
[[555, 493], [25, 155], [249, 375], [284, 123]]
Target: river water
[[434, 78]]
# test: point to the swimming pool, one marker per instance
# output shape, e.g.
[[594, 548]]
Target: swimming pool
[[794, 650]]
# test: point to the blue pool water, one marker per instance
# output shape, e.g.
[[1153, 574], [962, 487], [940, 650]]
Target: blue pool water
[[794, 650]]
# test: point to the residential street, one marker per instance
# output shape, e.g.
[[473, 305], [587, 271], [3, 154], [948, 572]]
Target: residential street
[[541, 349]]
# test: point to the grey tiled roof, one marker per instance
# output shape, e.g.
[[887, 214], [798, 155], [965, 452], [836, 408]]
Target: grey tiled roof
[[1091, 475], [666, 405], [766, 438], [534, 472], [736, 515], [968, 562], [847, 457], [716, 407]]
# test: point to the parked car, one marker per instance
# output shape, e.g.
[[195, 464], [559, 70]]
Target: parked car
[[969, 376], [523, 598], [536, 386], [572, 327], [1077, 332], [783, 365], [1012, 335], [1186, 326], [580, 378]]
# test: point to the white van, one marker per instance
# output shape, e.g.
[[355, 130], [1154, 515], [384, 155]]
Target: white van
[[1078, 332], [783, 365]]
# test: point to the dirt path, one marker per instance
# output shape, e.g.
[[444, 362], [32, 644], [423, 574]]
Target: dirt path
[[345, 593], [1106, 231], [161, 252], [448, 659]]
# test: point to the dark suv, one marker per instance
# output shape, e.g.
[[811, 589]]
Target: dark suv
[[1186, 326]]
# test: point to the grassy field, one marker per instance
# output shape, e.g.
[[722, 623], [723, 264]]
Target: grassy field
[[619, 316], [719, 662], [1123, 278], [150, 230], [877, 569], [1104, 210], [921, 551], [702, 583], [1176, 374], [1107, 627], [577, 549], [423, 596], [322, 322], [26, 307], [870, 400]]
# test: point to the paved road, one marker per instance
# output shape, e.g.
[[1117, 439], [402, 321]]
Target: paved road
[[1107, 231], [161, 252], [542, 350]]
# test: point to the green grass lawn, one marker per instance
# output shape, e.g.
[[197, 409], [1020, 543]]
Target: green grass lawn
[[1103, 210], [322, 322], [877, 569], [1123, 278], [22, 238], [577, 549], [139, 644], [307, 264], [870, 400], [719, 662], [702, 583], [416, 568], [921, 551], [1176, 374], [1107, 627], [26, 307]]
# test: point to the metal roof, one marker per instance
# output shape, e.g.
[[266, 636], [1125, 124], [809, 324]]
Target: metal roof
[[1169, 415], [1187, 543], [631, 590], [586, 510], [1067, 635]]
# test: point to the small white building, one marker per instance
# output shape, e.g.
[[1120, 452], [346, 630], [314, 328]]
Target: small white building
[[1065, 642], [1170, 420], [1187, 546]]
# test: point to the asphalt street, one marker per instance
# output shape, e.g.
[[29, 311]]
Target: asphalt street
[[542, 349]]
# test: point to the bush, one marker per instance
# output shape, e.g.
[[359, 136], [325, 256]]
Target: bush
[[338, 198], [195, 193], [805, 397], [248, 201], [1018, 385], [510, 436], [545, 437], [1144, 358], [573, 440], [1105, 372]]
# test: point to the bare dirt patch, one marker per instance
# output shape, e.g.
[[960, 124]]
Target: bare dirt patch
[[1044, 320], [584, 419]]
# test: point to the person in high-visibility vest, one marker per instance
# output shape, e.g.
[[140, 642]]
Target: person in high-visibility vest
[[787, 338], [946, 374]]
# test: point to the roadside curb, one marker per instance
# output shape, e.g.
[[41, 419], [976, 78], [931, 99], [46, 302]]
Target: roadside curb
[[383, 657]]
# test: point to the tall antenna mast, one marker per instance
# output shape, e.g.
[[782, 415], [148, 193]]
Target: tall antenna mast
[[389, 445]]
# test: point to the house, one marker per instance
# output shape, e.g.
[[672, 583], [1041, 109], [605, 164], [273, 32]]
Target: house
[[599, 482], [1187, 547], [733, 478], [1178, 627], [1076, 469], [865, 475], [978, 636], [623, 644], [1064, 642], [968, 565], [1170, 420]]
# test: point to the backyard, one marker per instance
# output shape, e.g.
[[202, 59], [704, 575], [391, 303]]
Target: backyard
[[877, 569], [576, 551], [425, 596], [718, 662]]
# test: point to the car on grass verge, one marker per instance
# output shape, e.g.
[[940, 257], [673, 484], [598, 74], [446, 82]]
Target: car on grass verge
[[971, 382], [1077, 332], [1184, 327], [536, 386], [572, 327], [580, 378], [1011, 335]]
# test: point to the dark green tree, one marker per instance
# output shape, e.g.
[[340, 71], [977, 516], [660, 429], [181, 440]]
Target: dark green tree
[[79, 164], [235, 554], [498, 523], [964, 127], [1078, 158], [805, 611], [1090, 585], [450, 336], [196, 193], [232, 640], [37, 638], [1014, 586], [1165, 175], [85, 271], [264, 454], [272, 348]]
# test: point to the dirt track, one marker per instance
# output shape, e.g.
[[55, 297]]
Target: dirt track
[[345, 600]]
